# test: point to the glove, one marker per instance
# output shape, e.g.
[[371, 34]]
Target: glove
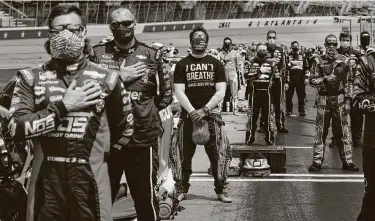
[[286, 86], [265, 70]]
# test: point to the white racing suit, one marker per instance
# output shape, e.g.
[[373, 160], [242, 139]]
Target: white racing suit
[[330, 105], [231, 63]]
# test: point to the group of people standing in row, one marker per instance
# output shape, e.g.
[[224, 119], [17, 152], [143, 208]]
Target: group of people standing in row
[[93, 113]]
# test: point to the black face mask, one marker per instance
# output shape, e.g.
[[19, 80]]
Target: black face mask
[[295, 49], [123, 35], [365, 41], [261, 54], [227, 45]]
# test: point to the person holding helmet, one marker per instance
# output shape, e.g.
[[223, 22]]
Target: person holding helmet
[[333, 78], [200, 85]]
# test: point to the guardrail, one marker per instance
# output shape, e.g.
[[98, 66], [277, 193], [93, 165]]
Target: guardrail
[[102, 30]]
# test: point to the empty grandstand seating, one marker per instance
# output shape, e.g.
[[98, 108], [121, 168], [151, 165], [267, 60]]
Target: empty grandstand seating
[[8, 21]]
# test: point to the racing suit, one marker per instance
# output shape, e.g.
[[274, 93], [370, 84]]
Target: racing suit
[[364, 99], [250, 55], [260, 97], [277, 90], [298, 73], [356, 119], [70, 179], [330, 105], [231, 63], [149, 95]]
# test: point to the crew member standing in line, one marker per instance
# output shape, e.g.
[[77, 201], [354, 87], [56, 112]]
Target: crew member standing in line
[[299, 77], [280, 84], [200, 84], [141, 70]]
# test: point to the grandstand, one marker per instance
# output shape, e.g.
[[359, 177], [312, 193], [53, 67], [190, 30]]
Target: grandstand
[[34, 13]]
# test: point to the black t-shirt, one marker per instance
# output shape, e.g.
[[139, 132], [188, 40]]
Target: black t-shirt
[[199, 76]]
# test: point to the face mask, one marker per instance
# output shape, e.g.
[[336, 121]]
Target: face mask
[[295, 49], [66, 45], [261, 54], [227, 45], [331, 53], [123, 35], [199, 44]]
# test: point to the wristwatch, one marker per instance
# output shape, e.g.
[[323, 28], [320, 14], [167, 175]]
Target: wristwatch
[[206, 110]]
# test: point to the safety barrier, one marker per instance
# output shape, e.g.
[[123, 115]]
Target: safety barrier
[[101, 30]]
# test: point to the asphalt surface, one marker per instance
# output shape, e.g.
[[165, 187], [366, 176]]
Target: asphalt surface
[[297, 195]]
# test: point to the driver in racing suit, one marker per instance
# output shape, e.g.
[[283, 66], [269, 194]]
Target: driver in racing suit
[[76, 113], [229, 57], [259, 72], [364, 99], [280, 84], [333, 78], [150, 92]]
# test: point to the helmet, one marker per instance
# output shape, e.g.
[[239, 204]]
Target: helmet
[[157, 45]]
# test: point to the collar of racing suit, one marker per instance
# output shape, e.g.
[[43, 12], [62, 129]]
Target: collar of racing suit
[[199, 56], [127, 50]]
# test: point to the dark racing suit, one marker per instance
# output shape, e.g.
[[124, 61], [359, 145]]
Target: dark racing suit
[[149, 95], [364, 100], [277, 90], [330, 105], [298, 73], [260, 97], [356, 119], [70, 179]]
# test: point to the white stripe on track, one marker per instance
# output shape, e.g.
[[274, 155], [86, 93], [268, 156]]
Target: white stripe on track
[[282, 180], [297, 175]]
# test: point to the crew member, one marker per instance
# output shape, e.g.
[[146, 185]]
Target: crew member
[[200, 85], [333, 78], [259, 72], [364, 100], [77, 114], [229, 57], [299, 77], [141, 70], [280, 84], [356, 118]]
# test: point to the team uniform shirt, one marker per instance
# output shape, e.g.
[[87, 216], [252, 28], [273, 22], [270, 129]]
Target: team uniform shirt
[[199, 76], [298, 67]]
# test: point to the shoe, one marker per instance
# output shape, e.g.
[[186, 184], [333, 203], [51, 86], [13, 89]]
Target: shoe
[[288, 114], [302, 114], [282, 130], [182, 196], [350, 167], [357, 144], [269, 142], [250, 141], [315, 167], [223, 197]]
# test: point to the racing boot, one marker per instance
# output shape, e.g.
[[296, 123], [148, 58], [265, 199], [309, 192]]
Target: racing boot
[[282, 130], [288, 113], [269, 142], [224, 197], [302, 114], [350, 167], [251, 139], [315, 167]]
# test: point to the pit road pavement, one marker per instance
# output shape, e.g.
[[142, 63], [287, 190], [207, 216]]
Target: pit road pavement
[[297, 195]]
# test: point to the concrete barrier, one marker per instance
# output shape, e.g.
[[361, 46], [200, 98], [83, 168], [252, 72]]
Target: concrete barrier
[[102, 30]]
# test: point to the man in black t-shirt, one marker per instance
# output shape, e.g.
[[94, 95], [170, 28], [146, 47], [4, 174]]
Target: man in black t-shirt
[[200, 84]]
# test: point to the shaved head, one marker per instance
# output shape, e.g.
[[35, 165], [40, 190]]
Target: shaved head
[[122, 14]]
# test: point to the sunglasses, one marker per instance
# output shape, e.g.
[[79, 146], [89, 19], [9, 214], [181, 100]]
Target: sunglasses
[[331, 44], [271, 37], [76, 29], [117, 24]]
